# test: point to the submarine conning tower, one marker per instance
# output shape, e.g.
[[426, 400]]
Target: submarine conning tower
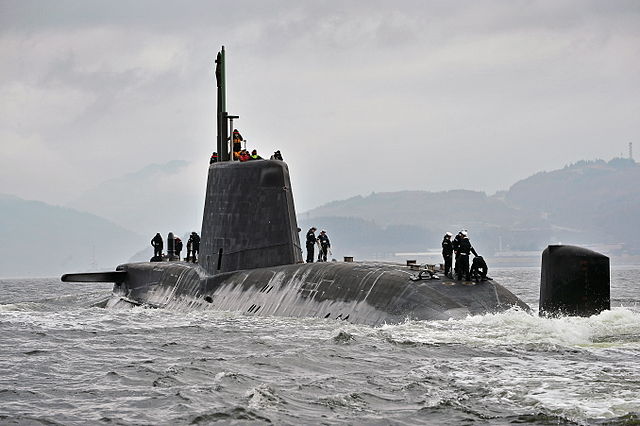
[[249, 217], [574, 281]]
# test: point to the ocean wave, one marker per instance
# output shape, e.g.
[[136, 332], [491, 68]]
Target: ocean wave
[[619, 326]]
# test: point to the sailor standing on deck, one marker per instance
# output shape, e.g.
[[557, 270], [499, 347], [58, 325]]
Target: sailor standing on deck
[[189, 249], [157, 244], [311, 242], [324, 242], [447, 254], [194, 243], [196, 246], [464, 251], [456, 246], [178, 246]]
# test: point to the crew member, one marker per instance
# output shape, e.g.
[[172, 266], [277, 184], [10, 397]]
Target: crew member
[[157, 244], [195, 246], [189, 248], [464, 251], [276, 156], [479, 269], [255, 156], [178, 246], [456, 246], [447, 254], [237, 143], [324, 243], [214, 158], [311, 242]]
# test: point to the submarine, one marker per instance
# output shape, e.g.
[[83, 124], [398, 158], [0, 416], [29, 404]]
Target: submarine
[[251, 261]]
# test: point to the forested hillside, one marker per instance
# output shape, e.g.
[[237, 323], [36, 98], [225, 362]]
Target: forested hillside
[[590, 202], [595, 197]]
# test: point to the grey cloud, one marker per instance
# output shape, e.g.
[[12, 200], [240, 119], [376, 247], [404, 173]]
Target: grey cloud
[[409, 86], [160, 15]]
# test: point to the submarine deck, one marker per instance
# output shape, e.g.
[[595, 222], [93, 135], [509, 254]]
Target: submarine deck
[[360, 292]]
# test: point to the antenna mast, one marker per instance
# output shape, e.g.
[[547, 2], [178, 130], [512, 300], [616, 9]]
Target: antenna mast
[[630, 150], [223, 130]]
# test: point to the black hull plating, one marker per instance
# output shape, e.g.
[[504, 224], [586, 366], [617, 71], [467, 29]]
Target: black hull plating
[[364, 293]]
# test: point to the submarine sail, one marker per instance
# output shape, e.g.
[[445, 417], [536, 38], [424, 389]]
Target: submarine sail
[[249, 218]]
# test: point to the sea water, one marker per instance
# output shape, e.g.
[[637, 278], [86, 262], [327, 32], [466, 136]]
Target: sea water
[[65, 361]]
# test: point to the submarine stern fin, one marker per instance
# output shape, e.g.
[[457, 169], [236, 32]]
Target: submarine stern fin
[[574, 281]]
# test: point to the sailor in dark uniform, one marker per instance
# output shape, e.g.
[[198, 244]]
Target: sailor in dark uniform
[[194, 239], [324, 242], [479, 269], [189, 248], [157, 244], [178, 246], [196, 246], [456, 246], [464, 251], [447, 254], [311, 242]]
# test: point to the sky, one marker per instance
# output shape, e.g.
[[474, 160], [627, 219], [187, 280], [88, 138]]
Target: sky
[[359, 96]]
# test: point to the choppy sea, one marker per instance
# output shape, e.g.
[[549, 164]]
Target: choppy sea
[[64, 361]]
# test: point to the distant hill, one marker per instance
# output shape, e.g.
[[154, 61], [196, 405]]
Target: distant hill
[[596, 197], [42, 240], [422, 220], [589, 202], [593, 202], [158, 198], [449, 209], [364, 239]]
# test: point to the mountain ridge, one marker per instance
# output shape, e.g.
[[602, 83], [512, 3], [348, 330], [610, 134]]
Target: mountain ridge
[[585, 203], [41, 239]]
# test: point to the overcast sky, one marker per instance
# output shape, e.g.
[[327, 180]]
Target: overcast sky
[[359, 96]]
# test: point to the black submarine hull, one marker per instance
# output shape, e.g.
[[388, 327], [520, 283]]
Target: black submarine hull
[[250, 260], [358, 292]]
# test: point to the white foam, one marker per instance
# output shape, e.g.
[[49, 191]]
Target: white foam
[[516, 327]]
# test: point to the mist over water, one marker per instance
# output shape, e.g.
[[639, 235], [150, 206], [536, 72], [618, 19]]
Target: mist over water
[[65, 361]]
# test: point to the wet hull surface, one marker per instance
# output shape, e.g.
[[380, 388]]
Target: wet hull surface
[[363, 293]]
